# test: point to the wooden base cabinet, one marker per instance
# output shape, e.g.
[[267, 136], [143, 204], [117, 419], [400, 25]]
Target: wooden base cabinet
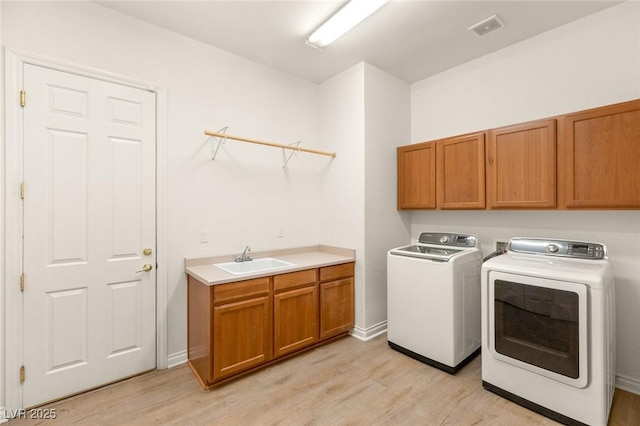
[[241, 326], [242, 337], [295, 321], [336, 300], [200, 330], [229, 327]]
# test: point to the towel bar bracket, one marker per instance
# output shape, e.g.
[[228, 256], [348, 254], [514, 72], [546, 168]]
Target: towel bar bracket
[[221, 139], [297, 145]]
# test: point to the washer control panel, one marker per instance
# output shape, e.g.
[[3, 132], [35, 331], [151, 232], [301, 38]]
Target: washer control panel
[[448, 239], [583, 250], [593, 251]]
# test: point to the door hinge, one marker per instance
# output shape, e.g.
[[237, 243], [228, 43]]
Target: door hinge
[[22, 282], [23, 98], [22, 374], [22, 190]]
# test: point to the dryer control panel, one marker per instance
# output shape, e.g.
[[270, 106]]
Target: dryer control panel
[[577, 249]]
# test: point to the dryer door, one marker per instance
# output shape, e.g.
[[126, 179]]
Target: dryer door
[[539, 325]]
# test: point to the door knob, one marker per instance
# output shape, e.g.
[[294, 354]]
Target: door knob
[[147, 251], [146, 268]]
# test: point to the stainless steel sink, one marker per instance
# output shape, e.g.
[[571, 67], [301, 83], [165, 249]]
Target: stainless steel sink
[[252, 266]]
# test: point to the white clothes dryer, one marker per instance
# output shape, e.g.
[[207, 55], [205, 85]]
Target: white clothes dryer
[[548, 328], [433, 299]]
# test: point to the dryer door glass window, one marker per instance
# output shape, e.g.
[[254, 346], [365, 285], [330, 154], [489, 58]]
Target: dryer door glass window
[[538, 326]]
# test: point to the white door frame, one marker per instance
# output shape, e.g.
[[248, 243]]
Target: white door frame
[[10, 295]]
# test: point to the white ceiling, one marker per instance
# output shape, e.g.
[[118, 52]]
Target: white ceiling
[[411, 39]]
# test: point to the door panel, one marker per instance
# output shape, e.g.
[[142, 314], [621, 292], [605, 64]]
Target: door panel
[[66, 310], [89, 211], [124, 317], [124, 161], [67, 172]]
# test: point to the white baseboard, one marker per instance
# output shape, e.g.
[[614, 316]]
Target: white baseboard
[[176, 359], [369, 333], [628, 384]]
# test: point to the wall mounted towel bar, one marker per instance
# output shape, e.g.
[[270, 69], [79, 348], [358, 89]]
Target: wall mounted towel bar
[[222, 136]]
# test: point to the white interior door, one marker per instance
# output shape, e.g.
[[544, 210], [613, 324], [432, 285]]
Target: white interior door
[[89, 215]]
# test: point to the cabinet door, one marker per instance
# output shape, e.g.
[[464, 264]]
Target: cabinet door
[[460, 166], [417, 176], [521, 166], [242, 336], [295, 319], [336, 307], [600, 154]]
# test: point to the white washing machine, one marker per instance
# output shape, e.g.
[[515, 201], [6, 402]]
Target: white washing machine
[[433, 299], [548, 328]]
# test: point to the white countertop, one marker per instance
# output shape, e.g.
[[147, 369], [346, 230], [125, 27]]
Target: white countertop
[[302, 258]]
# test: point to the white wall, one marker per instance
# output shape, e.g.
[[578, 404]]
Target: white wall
[[2, 222], [242, 197], [387, 125], [365, 115], [342, 130], [591, 62]]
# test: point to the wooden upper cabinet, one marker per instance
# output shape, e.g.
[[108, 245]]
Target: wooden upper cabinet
[[599, 157], [460, 168], [417, 176], [521, 166]]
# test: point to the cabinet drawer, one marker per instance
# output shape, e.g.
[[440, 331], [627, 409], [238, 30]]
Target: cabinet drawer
[[294, 279], [329, 273], [225, 293]]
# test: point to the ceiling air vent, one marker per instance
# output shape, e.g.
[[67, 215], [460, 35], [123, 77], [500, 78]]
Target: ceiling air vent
[[486, 26]]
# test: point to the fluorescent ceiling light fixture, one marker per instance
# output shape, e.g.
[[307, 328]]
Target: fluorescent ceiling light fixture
[[343, 20]]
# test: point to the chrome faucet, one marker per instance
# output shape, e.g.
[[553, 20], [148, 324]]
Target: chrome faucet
[[244, 257]]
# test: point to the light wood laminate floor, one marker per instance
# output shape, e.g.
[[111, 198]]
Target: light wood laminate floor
[[348, 382]]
